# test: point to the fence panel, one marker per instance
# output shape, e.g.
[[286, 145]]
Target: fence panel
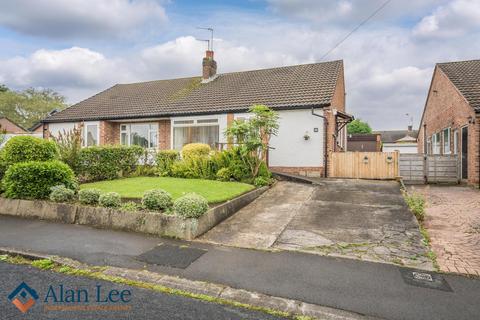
[[412, 168], [364, 165], [442, 169]]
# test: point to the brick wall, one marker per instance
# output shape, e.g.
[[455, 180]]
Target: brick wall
[[109, 133], [164, 132], [301, 171], [445, 108]]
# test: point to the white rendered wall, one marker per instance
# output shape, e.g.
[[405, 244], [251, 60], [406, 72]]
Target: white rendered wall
[[56, 128], [291, 149], [401, 147]]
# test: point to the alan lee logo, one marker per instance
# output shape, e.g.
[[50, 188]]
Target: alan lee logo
[[61, 294]]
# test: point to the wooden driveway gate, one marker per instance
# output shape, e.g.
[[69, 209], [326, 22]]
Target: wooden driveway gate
[[364, 165]]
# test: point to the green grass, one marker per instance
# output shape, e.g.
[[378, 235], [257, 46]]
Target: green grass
[[213, 191]]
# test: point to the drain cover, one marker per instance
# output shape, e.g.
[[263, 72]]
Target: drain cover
[[171, 256], [421, 278]]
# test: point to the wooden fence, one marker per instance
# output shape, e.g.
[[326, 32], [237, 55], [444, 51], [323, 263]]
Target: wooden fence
[[364, 165], [418, 168]]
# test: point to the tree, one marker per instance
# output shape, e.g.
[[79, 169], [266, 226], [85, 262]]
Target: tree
[[29, 106], [358, 126], [69, 146], [3, 88], [254, 135]]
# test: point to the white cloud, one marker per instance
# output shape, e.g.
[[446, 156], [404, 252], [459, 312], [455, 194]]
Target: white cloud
[[89, 18], [387, 69], [452, 20], [347, 12]]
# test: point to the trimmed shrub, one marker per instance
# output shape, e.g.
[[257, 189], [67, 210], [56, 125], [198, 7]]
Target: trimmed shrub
[[61, 194], [89, 196], [195, 150], [110, 200], [190, 205], [33, 179], [157, 199], [262, 181], [165, 160], [224, 174], [28, 148], [108, 162]]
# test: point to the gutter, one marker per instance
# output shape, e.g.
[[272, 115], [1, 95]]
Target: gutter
[[325, 152]]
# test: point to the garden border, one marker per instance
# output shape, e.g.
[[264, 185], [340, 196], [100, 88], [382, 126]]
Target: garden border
[[155, 223]]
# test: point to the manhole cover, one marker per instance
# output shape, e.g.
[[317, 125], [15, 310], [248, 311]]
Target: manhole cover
[[171, 256], [424, 279]]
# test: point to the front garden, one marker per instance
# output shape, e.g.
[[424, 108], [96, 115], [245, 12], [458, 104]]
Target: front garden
[[183, 184]]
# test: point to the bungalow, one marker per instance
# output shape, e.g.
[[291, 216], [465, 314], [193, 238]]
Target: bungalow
[[167, 114], [451, 117], [403, 141]]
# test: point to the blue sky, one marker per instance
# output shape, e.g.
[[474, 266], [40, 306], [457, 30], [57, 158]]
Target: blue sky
[[80, 47]]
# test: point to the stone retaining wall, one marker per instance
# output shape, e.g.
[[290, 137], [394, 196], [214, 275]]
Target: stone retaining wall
[[145, 222]]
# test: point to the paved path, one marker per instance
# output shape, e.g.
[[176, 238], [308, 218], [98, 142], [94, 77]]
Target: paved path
[[453, 222], [373, 289], [358, 219], [144, 304]]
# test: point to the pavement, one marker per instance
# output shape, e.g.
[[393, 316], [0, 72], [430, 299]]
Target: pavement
[[452, 218], [374, 289], [141, 303], [357, 219]]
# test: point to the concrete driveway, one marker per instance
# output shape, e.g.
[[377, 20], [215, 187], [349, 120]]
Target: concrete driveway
[[359, 219]]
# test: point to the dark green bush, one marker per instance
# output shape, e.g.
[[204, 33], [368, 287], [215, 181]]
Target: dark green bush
[[33, 179], [89, 196], [61, 193], [157, 199], [110, 200], [195, 167], [165, 160], [108, 162], [190, 205], [28, 148]]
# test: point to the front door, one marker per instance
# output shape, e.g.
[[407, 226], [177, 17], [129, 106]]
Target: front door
[[465, 153]]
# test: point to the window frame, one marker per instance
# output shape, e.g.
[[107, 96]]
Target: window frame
[[203, 121], [455, 141], [85, 126], [444, 143], [128, 132]]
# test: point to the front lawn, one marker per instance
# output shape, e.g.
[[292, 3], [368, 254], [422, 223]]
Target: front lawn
[[213, 191]]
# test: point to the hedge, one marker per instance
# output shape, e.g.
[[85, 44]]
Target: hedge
[[165, 160], [108, 162], [28, 148], [34, 179]]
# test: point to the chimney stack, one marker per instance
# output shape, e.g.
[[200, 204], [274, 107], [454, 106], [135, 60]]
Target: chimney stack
[[209, 66], [410, 128]]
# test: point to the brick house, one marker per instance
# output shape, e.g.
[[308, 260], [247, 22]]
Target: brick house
[[167, 114], [11, 127], [451, 119]]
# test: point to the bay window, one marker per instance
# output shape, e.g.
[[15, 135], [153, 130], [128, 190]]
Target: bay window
[[195, 131], [140, 134]]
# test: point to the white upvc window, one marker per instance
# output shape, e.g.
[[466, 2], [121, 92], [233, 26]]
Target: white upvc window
[[202, 130], [455, 141], [140, 134], [91, 134], [436, 143], [446, 141]]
